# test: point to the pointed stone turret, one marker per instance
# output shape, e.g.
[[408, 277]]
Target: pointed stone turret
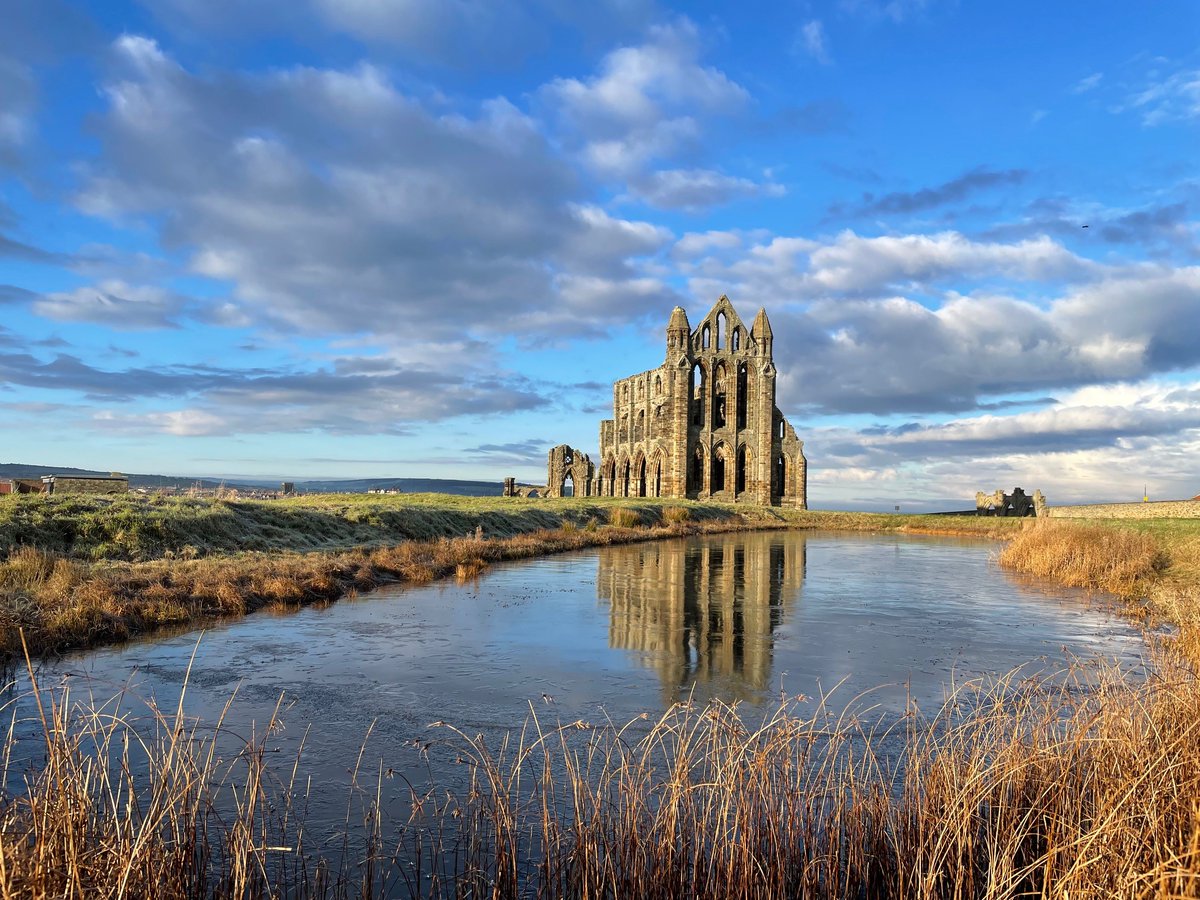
[[762, 331], [679, 331]]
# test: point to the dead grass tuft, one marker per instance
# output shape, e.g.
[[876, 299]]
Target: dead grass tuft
[[623, 517], [469, 569], [675, 515]]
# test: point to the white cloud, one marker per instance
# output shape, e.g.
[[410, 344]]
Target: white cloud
[[646, 102], [855, 263], [330, 201], [813, 41], [697, 189], [1168, 98], [113, 303], [846, 305], [1096, 443]]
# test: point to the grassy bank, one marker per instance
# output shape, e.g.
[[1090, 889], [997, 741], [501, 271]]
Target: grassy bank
[[82, 571]]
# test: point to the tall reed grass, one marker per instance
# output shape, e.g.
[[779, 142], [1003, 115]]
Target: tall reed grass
[[1080, 786], [1091, 556]]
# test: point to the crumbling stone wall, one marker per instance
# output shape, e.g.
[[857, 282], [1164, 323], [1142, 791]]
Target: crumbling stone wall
[[566, 464], [1017, 504]]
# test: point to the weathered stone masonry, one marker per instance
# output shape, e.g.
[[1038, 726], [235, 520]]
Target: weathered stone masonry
[[704, 424]]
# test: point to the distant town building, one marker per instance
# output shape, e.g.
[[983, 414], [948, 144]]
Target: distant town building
[[21, 486]]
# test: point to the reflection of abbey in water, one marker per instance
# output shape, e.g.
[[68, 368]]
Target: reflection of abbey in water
[[702, 611]]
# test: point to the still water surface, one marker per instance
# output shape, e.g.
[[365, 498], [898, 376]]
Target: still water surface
[[614, 632]]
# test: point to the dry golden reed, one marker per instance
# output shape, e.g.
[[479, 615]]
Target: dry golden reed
[[1091, 556], [1083, 785], [622, 517]]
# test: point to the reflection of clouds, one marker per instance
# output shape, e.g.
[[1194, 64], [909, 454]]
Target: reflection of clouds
[[702, 613]]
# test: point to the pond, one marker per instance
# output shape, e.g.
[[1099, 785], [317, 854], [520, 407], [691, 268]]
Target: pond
[[607, 634]]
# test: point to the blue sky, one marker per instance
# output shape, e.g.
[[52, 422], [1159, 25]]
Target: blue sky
[[358, 238]]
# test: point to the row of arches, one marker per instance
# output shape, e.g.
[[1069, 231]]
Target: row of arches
[[721, 471], [639, 392], [640, 426], [712, 405], [707, 334], [632, 478]]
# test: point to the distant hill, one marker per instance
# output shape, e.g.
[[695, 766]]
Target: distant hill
[[407, 485], [349, 486]]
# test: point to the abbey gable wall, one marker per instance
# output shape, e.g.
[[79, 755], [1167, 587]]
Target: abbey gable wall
[[704, 424]]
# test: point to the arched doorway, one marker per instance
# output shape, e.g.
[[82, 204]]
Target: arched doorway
[[696, 471], [743, 394], [739, 480], [718, 395], [717, 476], [641, 477], [567, 489]]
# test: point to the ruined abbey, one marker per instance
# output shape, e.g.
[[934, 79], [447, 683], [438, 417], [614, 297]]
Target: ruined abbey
[[703, 425]]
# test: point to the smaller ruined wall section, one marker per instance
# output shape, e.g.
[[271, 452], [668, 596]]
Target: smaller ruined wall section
[[1159, 509]]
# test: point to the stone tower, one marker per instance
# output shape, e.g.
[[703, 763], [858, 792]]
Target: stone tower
[[705, 424]]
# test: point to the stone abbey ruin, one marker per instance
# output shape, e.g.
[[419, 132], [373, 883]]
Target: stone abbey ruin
[[703, 425]]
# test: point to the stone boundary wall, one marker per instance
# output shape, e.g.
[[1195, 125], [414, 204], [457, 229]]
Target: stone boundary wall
[[1159, 509]]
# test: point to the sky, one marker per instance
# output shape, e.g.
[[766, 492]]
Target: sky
[[421, 238]]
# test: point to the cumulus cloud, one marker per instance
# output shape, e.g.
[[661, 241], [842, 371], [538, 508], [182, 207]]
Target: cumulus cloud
[[854, 264], [462, 33], [330, 201], [645, 103], [350, 395], [868, 325], [1095, 443]]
